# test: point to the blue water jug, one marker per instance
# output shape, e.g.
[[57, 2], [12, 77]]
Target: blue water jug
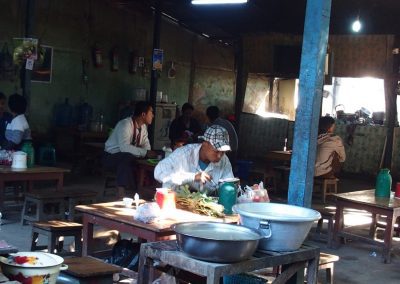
[[64, 114]]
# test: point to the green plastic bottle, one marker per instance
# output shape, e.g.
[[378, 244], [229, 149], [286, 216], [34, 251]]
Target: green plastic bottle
[[383, 183], [227, 194], [27, 147]]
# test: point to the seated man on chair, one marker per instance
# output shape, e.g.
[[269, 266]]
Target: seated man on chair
[[129, 141], [330, 150]]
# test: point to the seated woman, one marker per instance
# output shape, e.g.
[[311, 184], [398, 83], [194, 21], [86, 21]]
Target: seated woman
[[18, 130], [330, 150]]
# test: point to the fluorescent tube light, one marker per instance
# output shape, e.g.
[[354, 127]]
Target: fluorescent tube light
[[208, 2]]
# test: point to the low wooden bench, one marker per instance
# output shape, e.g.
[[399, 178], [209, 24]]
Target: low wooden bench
[[327, 262], [50, 205], [86, 270], [54, 231]]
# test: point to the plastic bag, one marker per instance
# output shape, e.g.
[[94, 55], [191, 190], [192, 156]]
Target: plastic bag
[[147, 212], [165, 279], [255, 193], [125, 253]]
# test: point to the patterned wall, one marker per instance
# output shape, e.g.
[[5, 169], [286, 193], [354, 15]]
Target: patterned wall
[[259, 135]]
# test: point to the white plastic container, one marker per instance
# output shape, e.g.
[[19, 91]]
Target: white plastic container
[[19, 160]]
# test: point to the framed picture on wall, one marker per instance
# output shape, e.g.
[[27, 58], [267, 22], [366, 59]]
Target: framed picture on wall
[[42, 68]]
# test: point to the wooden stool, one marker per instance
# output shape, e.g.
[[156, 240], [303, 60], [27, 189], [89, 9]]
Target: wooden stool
[[327, 262], [86, 270], [328, 186], [78, 197], [36, 203], [54, 230], [329, 215]]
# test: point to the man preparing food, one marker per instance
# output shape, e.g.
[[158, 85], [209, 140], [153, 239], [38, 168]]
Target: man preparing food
[[200, 165]]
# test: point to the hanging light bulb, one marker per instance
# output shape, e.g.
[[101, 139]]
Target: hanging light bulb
[[356, 27]]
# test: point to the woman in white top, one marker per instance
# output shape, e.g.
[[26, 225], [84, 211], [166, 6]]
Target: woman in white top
[[18, 129]]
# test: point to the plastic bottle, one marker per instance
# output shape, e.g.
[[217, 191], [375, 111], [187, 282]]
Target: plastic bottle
[[27, 147], [101, 122], [383, 183]]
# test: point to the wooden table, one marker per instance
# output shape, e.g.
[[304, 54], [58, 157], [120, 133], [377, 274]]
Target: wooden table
[[30, 175], [366, 200], [279, 156], [115, 215], [168, 254]]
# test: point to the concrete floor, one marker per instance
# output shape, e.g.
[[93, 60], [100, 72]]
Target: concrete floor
[[359, 262]]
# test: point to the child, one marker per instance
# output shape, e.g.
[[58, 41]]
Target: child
[[18, 130]]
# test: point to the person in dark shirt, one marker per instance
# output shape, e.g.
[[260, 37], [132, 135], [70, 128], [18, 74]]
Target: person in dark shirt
[[5, 117], [184, 128]]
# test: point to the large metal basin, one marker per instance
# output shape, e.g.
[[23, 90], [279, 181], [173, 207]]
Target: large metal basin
[[283, 226], [216, 242]]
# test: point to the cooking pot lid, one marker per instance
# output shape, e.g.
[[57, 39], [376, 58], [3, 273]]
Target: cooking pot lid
[[32, 259]]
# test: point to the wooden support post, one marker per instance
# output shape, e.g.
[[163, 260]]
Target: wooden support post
[[241, 82], [25, 73], [153, 79], [315, 39], [391, 113]]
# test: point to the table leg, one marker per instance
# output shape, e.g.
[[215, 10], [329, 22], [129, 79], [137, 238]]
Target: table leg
[[213, 278], [2, 189], [143, 269], [60, 181], [338, 224], [372, 228], [312, 270], [87, 236], [390, 221]]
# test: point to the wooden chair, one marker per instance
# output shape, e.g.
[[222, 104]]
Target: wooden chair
[[328, 186], [55, 230]]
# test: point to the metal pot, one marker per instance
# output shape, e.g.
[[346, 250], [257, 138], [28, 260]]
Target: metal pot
[[216, 242], [283, 226], [33, 267]]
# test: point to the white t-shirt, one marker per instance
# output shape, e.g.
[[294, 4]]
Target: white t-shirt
[[18, 130]]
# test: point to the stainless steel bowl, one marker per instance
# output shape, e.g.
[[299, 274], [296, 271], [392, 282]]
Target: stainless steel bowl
[[216, 242]]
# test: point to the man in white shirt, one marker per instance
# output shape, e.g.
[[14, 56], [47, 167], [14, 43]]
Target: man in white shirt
[[200, 165], [128, 141]]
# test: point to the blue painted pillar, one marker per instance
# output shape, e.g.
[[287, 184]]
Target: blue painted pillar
[[315, 39]]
